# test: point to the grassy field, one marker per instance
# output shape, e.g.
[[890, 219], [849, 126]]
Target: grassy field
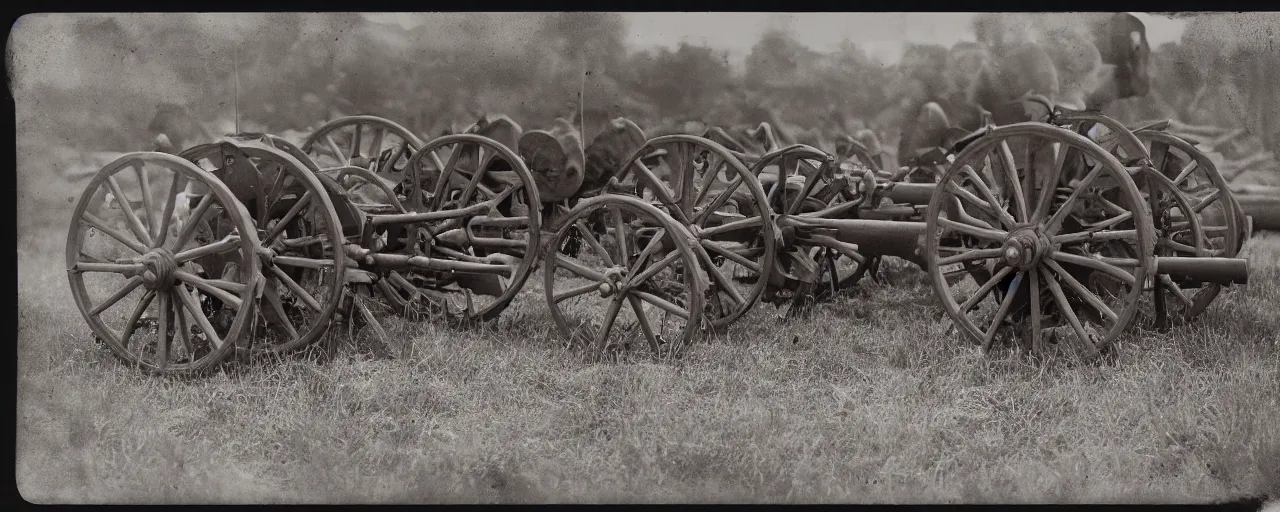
[[867, 401]]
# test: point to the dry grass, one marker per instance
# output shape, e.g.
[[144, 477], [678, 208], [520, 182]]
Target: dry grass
[[868, 401]]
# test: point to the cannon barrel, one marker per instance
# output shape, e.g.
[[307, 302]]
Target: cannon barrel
[[880, 237], [910, 193], [1212, 270], [1261, 203]]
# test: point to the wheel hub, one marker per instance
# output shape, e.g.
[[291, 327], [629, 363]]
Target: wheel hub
[[1024, 248], [612, 283], [159, 266]]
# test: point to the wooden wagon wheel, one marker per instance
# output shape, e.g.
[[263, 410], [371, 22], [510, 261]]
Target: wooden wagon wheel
[[488, 213], [1211, 206], [301, 238], [374, 143], [705, 188], [203, 311], [652, 297], [1196, 176], [815, 185], [1176, 234], [1036, 231]]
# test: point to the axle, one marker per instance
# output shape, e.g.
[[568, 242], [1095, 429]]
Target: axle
[[502, 265]]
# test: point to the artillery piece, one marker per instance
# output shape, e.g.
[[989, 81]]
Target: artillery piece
[[274, 243], [674, 235], [1148, 209]]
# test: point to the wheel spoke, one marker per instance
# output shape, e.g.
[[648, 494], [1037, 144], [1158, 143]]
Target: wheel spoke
[[720, 200], [230, 243], [1112, 208], [474, 182], [128, 269], [732, 256], [645, 254], [1051, 186], [277, 187], [610, 316], [183, 327], [1055, 222], [971, 255], [1081, 291], [1095, 236], [162, 344], [620, 233], [591, 241], [294, 287], [446, 174], [163, 332], [355, 142], [643, 320], [288, 217], [277, 307], [577, 267], [189, 225], [1159, 153], [708, 177], [337, 153], [719, 278], [985, 234], [985, 289], [170, 202], [999, 214], [993, 205], [1005, 305], [1010, 170], [687, 174], [144, 180], [1177, 246], [1186, 172], [129, 286], [375, 145], [662, 303], [193, 306], [574, 292], [1105, 265], [133, 223], [136, 316], [1064, 308], [1209, 199], [1035, 308], [747, 223], [215, 287], [101, 225], [653, 270]]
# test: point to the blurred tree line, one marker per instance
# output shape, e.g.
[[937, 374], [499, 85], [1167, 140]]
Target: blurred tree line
[[292, 71]]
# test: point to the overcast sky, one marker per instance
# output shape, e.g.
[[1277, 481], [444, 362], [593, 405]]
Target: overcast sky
[[880, 34]]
